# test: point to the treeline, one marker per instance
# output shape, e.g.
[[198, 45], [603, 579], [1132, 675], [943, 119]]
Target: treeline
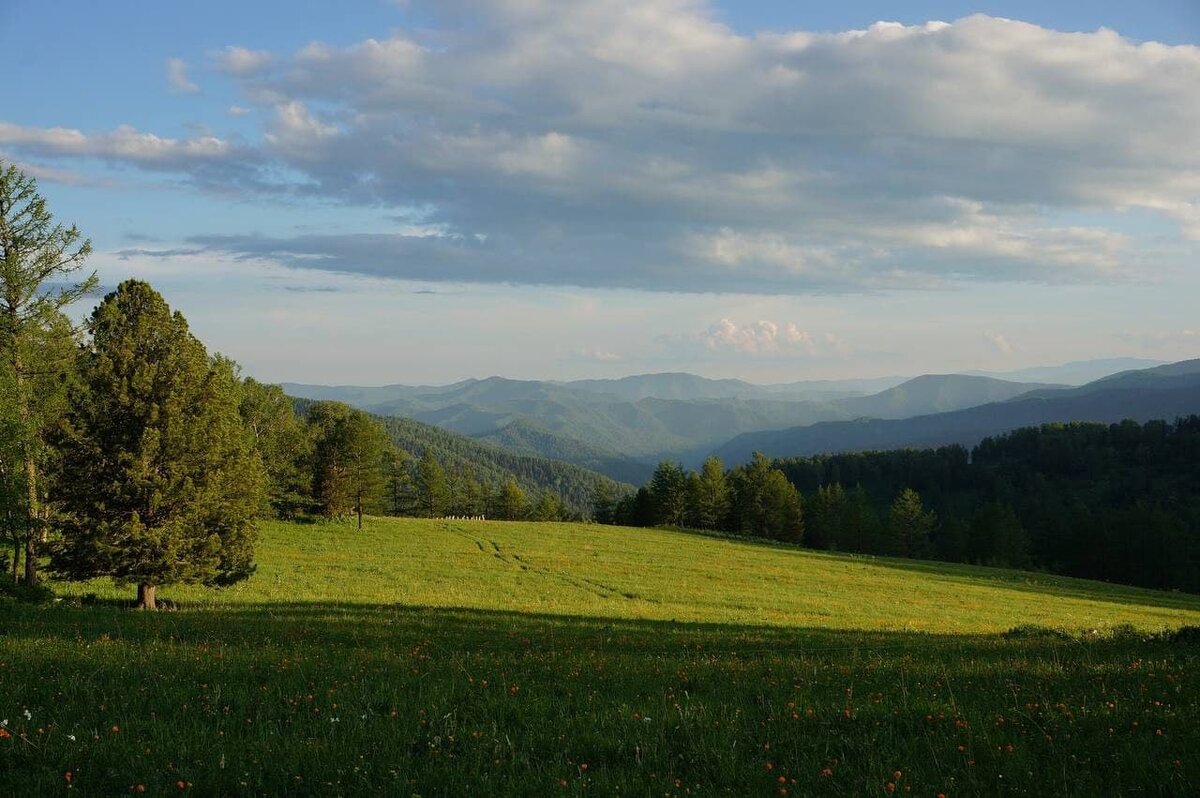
[[1114, 502]]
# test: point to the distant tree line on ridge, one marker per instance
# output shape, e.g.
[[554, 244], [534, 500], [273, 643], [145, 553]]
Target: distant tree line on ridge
[[1116, 502]]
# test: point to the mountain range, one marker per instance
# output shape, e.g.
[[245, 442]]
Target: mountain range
[[623, 427], [1162, 392]]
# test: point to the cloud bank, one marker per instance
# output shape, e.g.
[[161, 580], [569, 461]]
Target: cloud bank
[[647, 145]]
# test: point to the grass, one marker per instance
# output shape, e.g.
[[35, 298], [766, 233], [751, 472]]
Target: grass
[[450, 658]]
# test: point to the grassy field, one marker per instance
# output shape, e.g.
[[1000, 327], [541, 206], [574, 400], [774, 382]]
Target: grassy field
[[482, 658]]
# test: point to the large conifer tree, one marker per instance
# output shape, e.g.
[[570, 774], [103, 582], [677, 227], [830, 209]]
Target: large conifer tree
[[39, 259], [160, 480]]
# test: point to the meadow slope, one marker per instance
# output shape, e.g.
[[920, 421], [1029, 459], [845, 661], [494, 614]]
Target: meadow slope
[[453, 658]]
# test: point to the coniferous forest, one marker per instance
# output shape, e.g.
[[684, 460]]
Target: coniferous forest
[[1117, 502]]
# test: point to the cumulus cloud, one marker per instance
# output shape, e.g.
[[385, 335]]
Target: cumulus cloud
[[177, 77], [647, 145], [241, 61], [763, 338]]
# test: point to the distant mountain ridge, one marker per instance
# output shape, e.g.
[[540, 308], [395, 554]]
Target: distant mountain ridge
[[1162, 392], [623, 426]]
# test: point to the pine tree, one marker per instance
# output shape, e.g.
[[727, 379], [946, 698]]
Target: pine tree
[[668, 487], [348, 460], [511, 502], [38, 263], [909, 525], [281, 441], [160, 482], [433, 490], [711, 496], [604, 503]]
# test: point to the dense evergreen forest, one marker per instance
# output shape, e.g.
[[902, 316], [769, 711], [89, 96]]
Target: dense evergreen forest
[[1115, 502]]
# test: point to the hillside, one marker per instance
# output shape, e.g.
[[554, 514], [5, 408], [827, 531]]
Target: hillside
[[621, 573], [1164, 392], [492, 465], [414, 657], [525, 437], [936, 393]]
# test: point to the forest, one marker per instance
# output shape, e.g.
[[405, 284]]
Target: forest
[[1117, 502]]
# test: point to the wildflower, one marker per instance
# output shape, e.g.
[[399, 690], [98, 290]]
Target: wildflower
[[28, 715], [891, 786], [71, 737], [826, 773], [68, 776], [181, 784]]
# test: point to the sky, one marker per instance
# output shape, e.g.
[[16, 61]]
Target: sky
[[420, 192]]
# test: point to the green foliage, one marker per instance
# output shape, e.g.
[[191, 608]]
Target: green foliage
[[669, 492], [764, 503], [39, 259], [348, 461], [160, 481], [432, 489], [491, 467], [1119, 502], [909, 525], [511, 503], [710, 495], [283, 444]]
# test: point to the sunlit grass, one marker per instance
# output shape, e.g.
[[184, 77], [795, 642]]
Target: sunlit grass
[[459, 658]]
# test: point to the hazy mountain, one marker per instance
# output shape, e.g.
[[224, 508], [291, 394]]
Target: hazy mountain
[[688, 387], [667, 386], [1164, 392], [524, 437], [936, 393], [619, 426], [1079, 372]]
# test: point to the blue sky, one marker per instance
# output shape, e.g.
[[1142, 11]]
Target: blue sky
[[418, 192]]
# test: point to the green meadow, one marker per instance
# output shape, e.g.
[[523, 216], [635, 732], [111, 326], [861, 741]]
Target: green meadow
[[485, 658]]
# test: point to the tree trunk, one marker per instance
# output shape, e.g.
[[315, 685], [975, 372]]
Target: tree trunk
[[145, 597], [360, 512]]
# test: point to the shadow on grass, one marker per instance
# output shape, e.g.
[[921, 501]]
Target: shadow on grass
[[350, 626]]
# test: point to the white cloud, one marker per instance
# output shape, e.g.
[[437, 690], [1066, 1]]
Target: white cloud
[[763, 338], [241, 61], [177, 77], [646, 145], [125, 144]]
